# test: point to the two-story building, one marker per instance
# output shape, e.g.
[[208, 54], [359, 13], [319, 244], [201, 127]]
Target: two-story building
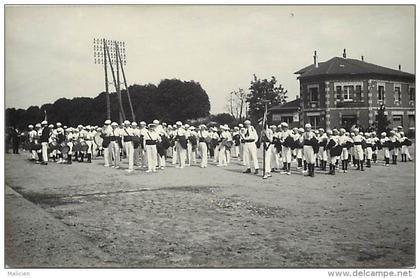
[[342, 92]]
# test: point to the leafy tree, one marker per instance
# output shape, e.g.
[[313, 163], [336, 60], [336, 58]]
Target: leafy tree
[[261, 91], [223, 118], [171, 101]]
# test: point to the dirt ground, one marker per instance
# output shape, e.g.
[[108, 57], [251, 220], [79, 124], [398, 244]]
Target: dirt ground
[[86, 215]]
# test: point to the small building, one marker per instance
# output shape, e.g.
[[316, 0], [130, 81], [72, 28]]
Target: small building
[[288, 112], [343, 92]]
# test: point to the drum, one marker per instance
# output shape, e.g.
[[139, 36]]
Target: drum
[[183, 142], [136, 141], [84, 147], [35, 147], [336, 151], [53, 146], [65, 149], [77, 147], [228, 144]]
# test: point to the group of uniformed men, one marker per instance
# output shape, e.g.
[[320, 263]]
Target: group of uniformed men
[[150, 145]]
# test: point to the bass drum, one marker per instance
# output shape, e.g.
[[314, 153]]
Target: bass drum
[[84, 147], [77, 147], [35, 147], [65, 149]]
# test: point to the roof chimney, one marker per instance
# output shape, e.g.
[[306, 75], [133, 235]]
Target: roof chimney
[[344, 53], [399, 67], [315, 59], [363, 58]]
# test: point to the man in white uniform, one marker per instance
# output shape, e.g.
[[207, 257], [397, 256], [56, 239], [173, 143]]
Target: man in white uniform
[[202, 145], [128, 134], [250, 148]]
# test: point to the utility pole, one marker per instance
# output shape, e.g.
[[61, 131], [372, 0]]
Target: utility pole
[[108, 104], [133, 116], [122, 114]]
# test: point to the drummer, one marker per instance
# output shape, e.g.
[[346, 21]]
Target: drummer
[[106, 135], [128, 133], [32, 141], [70, 140], [89, 135], [150, 140], [38, 130], [164, 136], [115, 146]]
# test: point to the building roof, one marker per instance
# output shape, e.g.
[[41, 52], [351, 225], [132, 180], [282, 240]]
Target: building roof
[[291, 105], [346, 66]]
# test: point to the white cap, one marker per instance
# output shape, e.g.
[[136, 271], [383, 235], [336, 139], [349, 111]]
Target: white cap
[[30, 126], [143, 123], [126, 122], [79, 126], [51, 126], [134, 124], [308, 125], [178, 123], [241, 125], [329, 132], [114, 124], [38, 125], [321, 129], [156, 122], [44, 123], [247, 122], [301, 130], [108, 122], [283, 124], [383, 134], [399, 127], [342, 130], [356, 130], [187, 125], [58, 124], [152, 125], [192, 128]]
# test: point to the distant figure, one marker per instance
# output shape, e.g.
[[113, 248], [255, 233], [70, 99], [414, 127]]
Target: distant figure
[[14, 134]]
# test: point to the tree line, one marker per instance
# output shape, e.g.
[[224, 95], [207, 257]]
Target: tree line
[[170, 101]]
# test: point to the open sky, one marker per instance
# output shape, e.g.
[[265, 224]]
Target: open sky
[[49, 49]]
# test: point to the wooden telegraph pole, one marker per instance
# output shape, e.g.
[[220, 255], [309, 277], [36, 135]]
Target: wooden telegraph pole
[[108, 104], [133, 116], [122, 114]]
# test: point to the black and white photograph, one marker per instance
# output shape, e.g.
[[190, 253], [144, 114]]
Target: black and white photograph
[[193, 136]]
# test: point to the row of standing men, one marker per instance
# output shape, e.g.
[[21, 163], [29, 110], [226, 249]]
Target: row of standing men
[[150, 145]]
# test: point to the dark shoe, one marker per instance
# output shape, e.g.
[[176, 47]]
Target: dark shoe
[[247, 171], [256, 172]]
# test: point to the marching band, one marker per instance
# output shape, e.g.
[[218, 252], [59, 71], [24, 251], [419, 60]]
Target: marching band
[[149, 146]]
